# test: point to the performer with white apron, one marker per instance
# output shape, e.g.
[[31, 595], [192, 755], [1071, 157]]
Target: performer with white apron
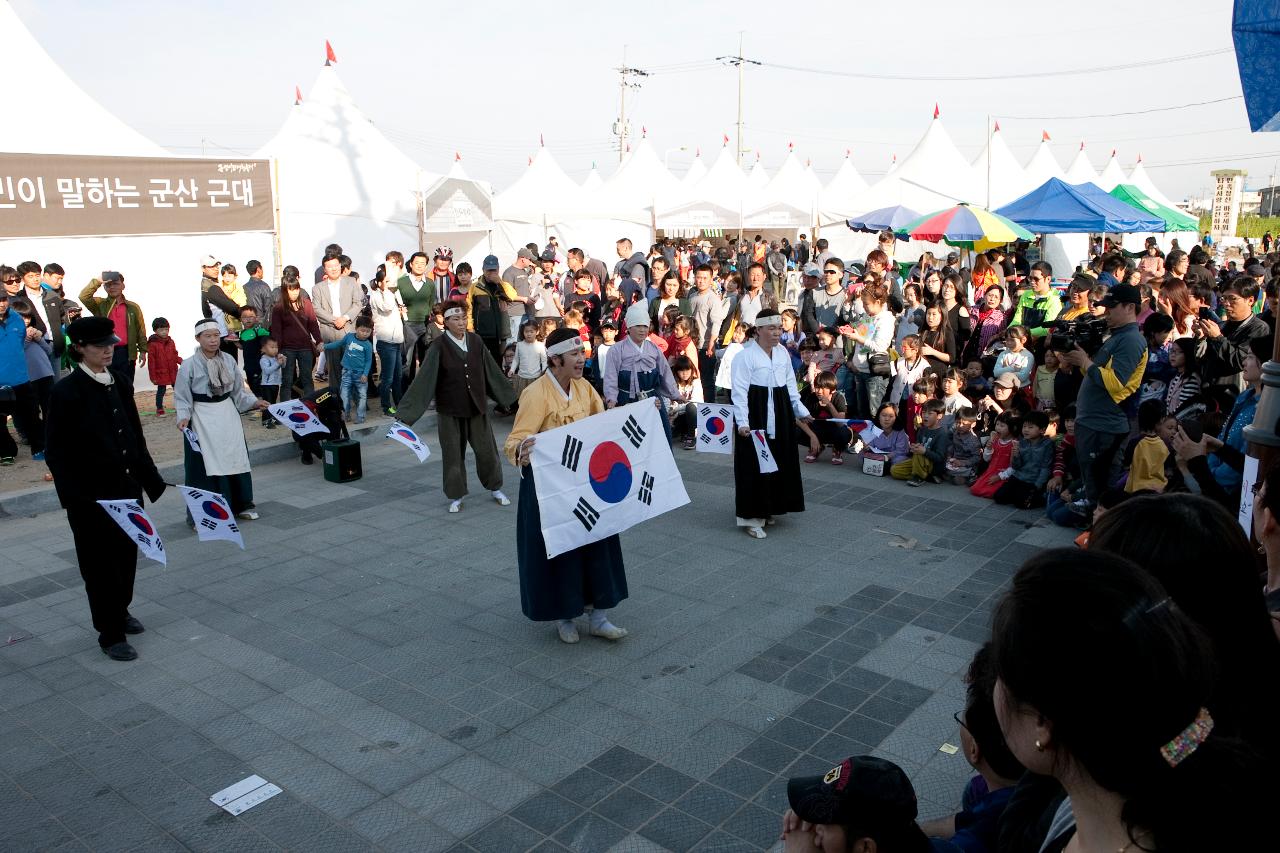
[[209, 396]]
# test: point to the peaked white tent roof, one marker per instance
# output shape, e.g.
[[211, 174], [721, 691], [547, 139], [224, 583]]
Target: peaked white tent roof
[[713, 202], [836, 199], [757, 178], [543, 194], [39, 87], [1140, 179], [640, 180], [1081, 171], [1112, 175], [1002, 179], [342, 181], [1043, 166], [789, 200], [933, 176], [593, 182], [697, 171]]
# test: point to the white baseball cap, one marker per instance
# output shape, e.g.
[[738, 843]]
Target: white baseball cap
[[209, 261]]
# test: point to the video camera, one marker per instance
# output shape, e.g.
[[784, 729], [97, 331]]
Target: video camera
[[1084, 332]]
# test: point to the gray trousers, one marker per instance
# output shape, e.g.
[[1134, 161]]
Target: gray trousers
[[455, 434]]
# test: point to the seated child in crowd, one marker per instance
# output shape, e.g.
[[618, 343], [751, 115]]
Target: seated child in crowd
[[998, 454], [929, 451], [1043, 381], [890, 446], [1025, 478], [1151, 452], [1065, 482], [1004, 398], [976, 386], [913, 411], [966, 448], [952, 398], [1016, 358], [683, 411], [824, 402], [909, 368], [827, 357]]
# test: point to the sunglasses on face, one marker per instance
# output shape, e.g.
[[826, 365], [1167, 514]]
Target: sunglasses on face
[[831, 272]]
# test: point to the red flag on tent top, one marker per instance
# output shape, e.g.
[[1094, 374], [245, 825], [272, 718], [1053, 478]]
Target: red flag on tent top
[[457, 157], [791, 146], [807, 162], [329, 56], [530, 160], [542, 143], [1139, 158], [697, 152], [847, 153], [644, 132], [997, 130], [1081, 144], [297, 95], [1044, 136], [1113, 152], [726, 139], [935, 111]]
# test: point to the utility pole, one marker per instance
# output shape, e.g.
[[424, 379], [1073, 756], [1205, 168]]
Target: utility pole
[[739, 61], [620, 127]]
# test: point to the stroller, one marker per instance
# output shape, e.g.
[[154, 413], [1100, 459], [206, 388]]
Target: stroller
[[327, 407]]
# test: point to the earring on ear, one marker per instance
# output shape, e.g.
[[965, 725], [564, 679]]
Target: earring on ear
[[1039, 746]]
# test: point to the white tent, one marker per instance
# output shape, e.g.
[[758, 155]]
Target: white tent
[[933, 176], [593, 182], [836, 199], [788, 201], [714, 202], [458, 212], [1140, 179], [1043, 166], [1112, 175], [341, 181], [160, 271], [999, 173], [757, 178], [639, 181], [1081, 171], [697, 171]]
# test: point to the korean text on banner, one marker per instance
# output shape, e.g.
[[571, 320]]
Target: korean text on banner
[[604, 474], [137, 525]]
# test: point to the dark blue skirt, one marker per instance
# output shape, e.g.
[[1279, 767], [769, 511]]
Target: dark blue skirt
[[562, 587]]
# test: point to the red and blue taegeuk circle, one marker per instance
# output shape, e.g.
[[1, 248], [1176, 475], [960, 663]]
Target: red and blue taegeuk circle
[[215, 510], [715, 425], [140, 521], [406, 434], [299, 417], [610, 472]]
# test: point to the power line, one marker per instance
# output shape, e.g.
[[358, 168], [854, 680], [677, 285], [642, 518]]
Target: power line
[[1129, 113], [939, 78], [1220, 158]]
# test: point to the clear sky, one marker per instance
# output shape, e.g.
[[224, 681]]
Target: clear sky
[[487, 78]]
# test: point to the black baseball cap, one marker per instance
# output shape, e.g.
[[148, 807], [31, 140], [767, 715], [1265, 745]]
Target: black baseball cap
[[94, 331], [1122, 294], [865, 794]]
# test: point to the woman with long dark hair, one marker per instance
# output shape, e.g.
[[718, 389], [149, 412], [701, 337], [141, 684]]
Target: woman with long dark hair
[[295, 328]]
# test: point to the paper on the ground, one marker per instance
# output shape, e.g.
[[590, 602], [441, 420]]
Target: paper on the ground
[[768, 464], [244, 795], [296, 416], [137, 525], [212, 516], [604, 474], [410, 439], [1248, 478], [192, 438], [715, 428]]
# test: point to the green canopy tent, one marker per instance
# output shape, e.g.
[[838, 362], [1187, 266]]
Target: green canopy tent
[[1174, 220]]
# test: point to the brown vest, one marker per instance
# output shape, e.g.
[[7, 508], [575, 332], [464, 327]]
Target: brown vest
[[460, 386]]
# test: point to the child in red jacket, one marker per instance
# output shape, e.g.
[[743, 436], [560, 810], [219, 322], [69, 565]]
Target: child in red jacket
[[162, 360]]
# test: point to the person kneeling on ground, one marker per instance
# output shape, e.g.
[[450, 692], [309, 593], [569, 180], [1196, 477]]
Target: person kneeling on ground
[[824, 402]]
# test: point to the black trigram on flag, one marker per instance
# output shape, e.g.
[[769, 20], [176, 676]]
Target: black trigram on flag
[[586, 513], [646, 489], [571, 453], [709, 439], [208, 524], [632, 431]]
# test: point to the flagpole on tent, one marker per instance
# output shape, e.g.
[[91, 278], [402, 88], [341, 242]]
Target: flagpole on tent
[[422, 215], [990, 136], [275, 243]]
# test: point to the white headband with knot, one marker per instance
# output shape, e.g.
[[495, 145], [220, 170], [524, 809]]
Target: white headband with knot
[[204, 326], [454, 311], [565, 347], [774, 320]]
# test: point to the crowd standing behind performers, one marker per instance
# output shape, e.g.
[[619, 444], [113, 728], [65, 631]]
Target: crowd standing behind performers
[[1121, 702]]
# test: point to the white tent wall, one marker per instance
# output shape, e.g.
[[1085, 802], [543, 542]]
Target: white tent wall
[[161, 272], [596, 237], [1064, 252]]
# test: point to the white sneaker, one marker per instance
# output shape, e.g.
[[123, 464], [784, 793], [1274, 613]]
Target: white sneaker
[[456, 506], [756, 532], [568, 632], [502, 499], [248, 514]]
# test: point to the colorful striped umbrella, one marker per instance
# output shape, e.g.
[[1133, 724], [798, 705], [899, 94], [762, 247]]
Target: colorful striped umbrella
[[967, 226]]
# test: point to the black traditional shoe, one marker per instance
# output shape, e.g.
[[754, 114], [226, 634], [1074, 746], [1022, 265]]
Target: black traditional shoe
[[306, 458], [132, 626], [120, 651]]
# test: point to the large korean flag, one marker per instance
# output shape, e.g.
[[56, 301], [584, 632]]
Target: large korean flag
[[604, 474]]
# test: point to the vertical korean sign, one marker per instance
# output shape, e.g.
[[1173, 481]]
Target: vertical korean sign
[[54, 195]]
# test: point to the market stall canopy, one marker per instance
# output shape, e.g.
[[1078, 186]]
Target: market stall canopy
[[713, 202], [1043, 165], [1056, 207], [1112, 175], [789, 200], [456, 203], [1255, 29], [1002, 178], [544, 194], [1081, 171], [48, 113], [934, 175], [1174, 220], [836, 199]]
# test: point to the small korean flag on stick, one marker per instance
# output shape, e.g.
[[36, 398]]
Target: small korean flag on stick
[[768, 465], [715, 429], [192, 438], [406, 436], [136, 524], [212, 516], [296, 416]]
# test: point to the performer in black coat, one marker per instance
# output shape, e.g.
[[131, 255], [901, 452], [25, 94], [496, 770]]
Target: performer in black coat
[[96, 451]]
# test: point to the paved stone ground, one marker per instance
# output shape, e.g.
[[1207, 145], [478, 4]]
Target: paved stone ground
[[367, 653]]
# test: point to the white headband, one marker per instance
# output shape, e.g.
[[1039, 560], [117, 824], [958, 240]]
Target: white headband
[[774, 320], [204, 326], [565, 347], [454, 311]]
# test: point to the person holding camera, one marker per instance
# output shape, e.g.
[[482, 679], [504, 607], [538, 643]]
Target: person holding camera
[[1112, 375]]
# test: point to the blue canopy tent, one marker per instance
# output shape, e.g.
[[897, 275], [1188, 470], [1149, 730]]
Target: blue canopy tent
[[1255, 29], [1056, 207]]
